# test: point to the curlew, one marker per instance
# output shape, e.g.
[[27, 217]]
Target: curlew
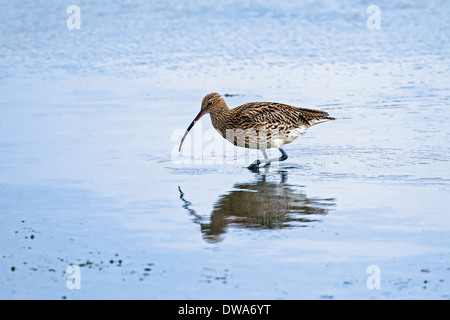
[[258, 125]]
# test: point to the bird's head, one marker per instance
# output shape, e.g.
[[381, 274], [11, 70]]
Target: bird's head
[[212, 102]]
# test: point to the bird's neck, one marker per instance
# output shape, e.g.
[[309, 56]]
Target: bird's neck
[[220, 118]]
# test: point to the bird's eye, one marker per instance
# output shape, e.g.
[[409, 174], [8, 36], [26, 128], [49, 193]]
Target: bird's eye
[[209, 103]]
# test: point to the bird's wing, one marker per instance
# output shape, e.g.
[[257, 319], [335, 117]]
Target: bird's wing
[[270, 113]]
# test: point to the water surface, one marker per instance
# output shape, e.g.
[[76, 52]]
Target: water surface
[[90, 119]]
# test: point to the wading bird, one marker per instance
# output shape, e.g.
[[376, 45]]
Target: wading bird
[[258, 125]]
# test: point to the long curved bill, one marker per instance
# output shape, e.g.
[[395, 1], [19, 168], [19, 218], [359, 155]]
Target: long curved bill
[[200, 114]]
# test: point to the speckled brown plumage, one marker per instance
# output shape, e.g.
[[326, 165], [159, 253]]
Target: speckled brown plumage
[[258, 114], [258, 125]]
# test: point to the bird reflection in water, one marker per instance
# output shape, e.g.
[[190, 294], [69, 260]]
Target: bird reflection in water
[[259, 205]]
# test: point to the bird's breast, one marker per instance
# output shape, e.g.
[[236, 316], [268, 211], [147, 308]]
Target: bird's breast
[[261, 138]]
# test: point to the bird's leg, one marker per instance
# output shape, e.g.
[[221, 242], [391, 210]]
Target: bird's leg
[[254, 165], [284, 155], [266, 160], [257, 162]]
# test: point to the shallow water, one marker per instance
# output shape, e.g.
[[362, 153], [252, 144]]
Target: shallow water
[[90, 174]]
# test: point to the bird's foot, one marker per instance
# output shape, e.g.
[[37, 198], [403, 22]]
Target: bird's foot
[[255, 165]]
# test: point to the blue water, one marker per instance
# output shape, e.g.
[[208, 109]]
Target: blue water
[[91, 118]]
